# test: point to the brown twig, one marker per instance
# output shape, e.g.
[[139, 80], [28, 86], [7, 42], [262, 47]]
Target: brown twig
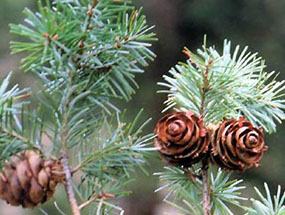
[[205, 88], [104, 195], [206, 196], [77, 168], [23, 96], [68, 187], [64, 158], [192, 175], [205, 179], [85, 204], [14, 135]]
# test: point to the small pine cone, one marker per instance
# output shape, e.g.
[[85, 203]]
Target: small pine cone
[[237, 145], [28, 180], [182, 138]]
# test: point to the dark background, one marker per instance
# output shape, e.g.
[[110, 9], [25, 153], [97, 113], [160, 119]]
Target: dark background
[[260, 24]]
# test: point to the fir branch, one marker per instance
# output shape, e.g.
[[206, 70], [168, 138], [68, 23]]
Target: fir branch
[[225, 192], [87, 54], [177, 182], [16, 121], [64, 159], [119, 42], [205, 87], [112, 160], [238, 86]]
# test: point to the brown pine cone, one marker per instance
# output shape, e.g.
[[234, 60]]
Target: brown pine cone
[[237, 145], [182, 138], [28, 180]]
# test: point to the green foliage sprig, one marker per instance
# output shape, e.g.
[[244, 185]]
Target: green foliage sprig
[[20, 128], [218, 86], [224, 191], [238, 85], [267, 205], [102, 39], [86, 55]]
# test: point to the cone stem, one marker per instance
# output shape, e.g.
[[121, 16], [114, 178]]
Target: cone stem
[[68, 187], [205, 177], [206, 196]]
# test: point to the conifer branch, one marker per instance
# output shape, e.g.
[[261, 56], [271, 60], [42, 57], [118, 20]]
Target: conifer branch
[[205, 179], [238, 86], [85, 204], [15, 135], [204, 89], [206, 193], [87, 53], [216, 87], [65, 160], [68, 186]]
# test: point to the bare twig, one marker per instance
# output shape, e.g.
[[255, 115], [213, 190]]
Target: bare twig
[[85, 204], [206, 196], [68, 187], [14, 135], [104, 195], [205, 180], [77, 168]]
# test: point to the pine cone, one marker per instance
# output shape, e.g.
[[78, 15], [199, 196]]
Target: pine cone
[[237, 145], [182, 138], [28, 180]]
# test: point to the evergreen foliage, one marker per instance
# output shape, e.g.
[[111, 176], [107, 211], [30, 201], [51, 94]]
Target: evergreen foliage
[[14, 135], [217, 87], [86, 54], [267, 206], [238, 85], [224, 191]]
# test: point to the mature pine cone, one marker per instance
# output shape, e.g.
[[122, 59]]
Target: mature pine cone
[[182, 138], [28, 180], [237, 145]]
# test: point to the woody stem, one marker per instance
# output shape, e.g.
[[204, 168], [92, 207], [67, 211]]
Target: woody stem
[[206, 196], [65, 161], [205, 177]]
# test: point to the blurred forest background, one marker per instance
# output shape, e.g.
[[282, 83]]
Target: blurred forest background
[[260, 24]]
